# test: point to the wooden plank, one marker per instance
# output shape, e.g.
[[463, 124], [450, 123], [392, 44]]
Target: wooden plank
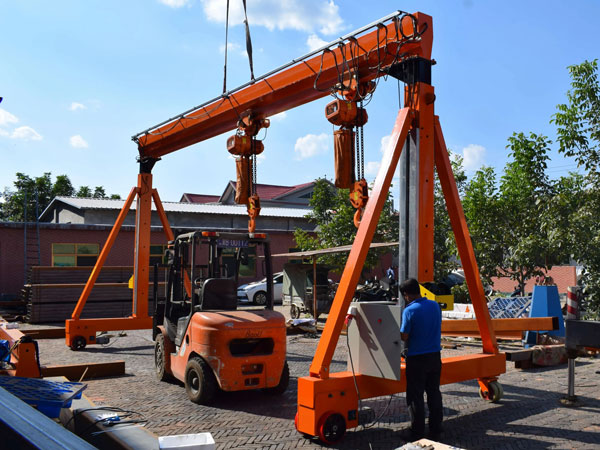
[[45, 333], [512, 325], [85, 371]]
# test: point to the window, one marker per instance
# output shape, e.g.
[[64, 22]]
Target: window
[[74, 255], [245, 270], [157, 254]]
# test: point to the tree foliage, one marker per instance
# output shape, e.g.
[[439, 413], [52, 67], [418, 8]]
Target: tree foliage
[[333, 215], [31, 196], [444, 246], [578, 130]]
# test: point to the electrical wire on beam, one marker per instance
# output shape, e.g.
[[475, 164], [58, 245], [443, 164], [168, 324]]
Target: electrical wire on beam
[[195, 112]]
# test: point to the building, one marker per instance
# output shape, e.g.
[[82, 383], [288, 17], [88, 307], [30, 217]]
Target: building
[[72, 231]]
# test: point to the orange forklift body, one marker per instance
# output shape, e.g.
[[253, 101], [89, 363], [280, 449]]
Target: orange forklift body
[[245, 349]]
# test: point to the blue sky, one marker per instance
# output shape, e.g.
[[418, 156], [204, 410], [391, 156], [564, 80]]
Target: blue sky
[[79, 78]]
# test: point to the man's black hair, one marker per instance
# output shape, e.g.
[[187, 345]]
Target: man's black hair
[[410, 286]]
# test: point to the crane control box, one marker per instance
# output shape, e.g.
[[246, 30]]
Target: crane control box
[[374, 343]]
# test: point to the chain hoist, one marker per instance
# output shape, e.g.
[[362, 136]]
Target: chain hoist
[[244, 145]]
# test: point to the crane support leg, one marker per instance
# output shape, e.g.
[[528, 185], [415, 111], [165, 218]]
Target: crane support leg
[[80, 332], [326, 398]]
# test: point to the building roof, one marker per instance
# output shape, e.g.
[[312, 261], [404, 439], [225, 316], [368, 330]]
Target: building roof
[[176, 207], [563, 276], [269, 191], [199, 198]]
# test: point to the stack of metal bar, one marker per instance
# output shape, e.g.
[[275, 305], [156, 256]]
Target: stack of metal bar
[[54, 292]]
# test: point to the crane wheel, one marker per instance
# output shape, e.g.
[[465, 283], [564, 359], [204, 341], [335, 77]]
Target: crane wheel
[[494, 392], [284, 380], [200, 383], [78, 343], [332, 428]]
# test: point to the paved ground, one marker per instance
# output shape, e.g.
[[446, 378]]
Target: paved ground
[[530, 416]]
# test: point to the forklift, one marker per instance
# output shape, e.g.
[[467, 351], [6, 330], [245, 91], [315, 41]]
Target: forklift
[[201, 339]]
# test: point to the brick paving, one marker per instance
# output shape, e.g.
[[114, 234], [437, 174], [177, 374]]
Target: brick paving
[[530, 416]]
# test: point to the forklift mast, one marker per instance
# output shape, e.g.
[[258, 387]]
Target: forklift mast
[[200, 259]]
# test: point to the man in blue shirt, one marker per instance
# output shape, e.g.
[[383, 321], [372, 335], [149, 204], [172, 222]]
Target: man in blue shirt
[[421, 330]]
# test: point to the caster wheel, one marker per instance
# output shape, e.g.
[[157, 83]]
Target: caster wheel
[[494, 393], [332, 428], [78, 343]]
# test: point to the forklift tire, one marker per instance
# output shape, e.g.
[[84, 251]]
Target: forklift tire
[[294, 312], [160, 359], [200, 383], [284, 380], [260, 298]]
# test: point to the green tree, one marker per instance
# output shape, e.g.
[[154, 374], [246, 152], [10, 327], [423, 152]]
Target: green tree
[[84, 191], [578, 121], [444, 245], [481, 204], [578, 130], [30, 195], [99, 192], [20, 204], [63, 187], [525, 191], [333, 214]]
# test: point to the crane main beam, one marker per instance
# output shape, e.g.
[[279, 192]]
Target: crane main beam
[[309, 79]]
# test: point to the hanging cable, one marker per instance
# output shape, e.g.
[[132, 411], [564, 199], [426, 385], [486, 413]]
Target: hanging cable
[[226, 43], [248, 42]]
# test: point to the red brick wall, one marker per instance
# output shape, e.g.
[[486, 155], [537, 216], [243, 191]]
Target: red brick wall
[[12, 258]]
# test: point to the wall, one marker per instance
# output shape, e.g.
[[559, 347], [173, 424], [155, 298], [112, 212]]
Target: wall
[[12, 258]]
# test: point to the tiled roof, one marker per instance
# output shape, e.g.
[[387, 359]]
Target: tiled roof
[[199, 198], [272, 191], [100, 203], [563, 276]]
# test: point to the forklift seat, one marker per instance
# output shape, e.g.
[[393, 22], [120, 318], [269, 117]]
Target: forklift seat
[[219, 293]]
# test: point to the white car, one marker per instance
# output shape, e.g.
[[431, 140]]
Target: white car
[[256, 292]]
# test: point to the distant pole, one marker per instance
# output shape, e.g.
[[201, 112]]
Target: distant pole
[[572, 303], [314, 260]]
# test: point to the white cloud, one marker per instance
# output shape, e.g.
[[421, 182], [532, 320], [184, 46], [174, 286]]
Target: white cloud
[[372, 168], [473, 157], [7, 118], [175, 3], [3, 132], [314, 42], [75, 106], [232, 47], [307, 15], [26, 133], [278, 117], [312, 145], [78, 142], [384, 143]]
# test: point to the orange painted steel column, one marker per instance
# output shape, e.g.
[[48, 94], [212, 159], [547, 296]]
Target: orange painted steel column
[[162, 215], [360, 247], [103, 254], [141, 274], [463, 241], [421, 95]]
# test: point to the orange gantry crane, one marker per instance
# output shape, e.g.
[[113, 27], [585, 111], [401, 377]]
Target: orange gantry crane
[[398, 45]]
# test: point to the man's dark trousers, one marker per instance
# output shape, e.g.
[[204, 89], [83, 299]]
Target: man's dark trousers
[[423, 376]]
